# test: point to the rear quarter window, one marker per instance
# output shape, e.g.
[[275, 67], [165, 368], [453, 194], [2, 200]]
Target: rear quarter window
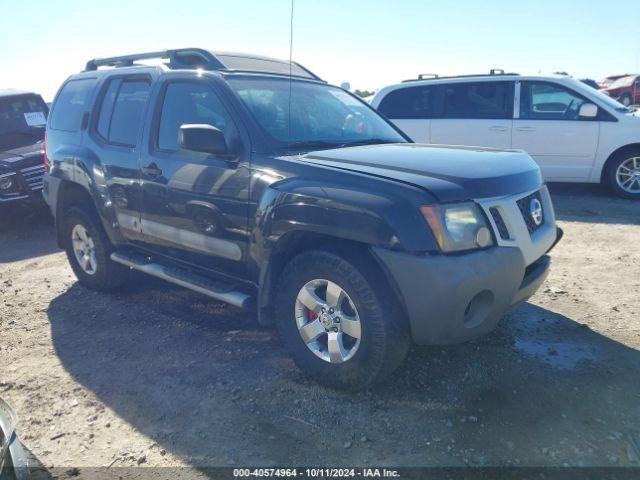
[[408, 102], [71, 103]]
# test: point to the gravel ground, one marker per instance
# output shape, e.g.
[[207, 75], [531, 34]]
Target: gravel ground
[[160, 376]]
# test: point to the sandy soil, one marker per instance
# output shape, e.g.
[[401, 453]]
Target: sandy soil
[[159, 376]]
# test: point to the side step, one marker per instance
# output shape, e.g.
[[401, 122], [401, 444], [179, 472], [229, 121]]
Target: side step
[[193, 281]]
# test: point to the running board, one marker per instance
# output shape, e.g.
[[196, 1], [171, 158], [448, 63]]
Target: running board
[[193, 281]]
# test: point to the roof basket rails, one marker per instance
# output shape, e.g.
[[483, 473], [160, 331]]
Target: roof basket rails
[[179, 58], [496, 71], [422, 76]]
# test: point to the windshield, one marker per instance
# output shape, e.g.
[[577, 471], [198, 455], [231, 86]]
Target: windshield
[[622, 82], [22, 120], [318, 114]]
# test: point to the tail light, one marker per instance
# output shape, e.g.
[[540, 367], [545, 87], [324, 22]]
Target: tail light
[[44, 153]]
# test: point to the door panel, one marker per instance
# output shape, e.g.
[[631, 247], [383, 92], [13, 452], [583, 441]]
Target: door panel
[[550, 130], [475, 113], [479, 133], [416, 129], [195, 204]]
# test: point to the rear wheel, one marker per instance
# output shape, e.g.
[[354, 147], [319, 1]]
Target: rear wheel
[[341, 328], [623, 174], [88, 250]]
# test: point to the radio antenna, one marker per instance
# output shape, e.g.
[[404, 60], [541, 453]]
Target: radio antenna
[[290, 62]]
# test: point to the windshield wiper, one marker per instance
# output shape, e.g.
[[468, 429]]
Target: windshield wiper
[[312, 144], [368, 141]]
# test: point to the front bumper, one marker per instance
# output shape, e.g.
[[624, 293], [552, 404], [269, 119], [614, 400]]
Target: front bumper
[[27, 185], [454, 298]]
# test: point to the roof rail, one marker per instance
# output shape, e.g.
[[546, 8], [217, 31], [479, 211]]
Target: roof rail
[[179, 58], [492, 72]]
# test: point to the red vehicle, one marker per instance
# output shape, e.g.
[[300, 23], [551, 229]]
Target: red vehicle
[[626, 90], [607, 81]]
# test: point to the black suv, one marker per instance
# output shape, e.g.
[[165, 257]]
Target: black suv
[[23, 116], [251, 180]]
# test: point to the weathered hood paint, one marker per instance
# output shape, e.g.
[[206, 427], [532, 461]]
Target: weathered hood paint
[[451, 173]]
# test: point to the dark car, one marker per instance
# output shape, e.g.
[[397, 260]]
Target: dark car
[[251, 180], [23, 117], [626, 90]]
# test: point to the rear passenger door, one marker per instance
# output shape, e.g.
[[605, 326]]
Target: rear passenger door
[[115, 139], [410, 109], [195, 204], [474, 113]]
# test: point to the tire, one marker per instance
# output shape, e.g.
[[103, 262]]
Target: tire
[[626, 100], [384, 335], [615, 181], [106, 275]]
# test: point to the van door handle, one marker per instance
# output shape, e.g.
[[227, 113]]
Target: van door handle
[[498, 128], [525, 129], [152, 170]]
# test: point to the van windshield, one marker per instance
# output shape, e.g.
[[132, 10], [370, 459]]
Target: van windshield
[[318, 115]]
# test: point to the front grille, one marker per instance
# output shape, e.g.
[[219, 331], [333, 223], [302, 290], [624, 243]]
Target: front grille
[[500, 225], [33, 176], [524, 205]]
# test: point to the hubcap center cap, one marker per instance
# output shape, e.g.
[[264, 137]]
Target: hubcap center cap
[[326, 320]]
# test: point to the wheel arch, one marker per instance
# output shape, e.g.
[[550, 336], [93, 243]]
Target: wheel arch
[[613, 155], [70, 194], [296, 242]]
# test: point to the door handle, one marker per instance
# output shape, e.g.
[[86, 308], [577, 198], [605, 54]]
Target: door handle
[[525, 129], [498, 128], [152, 170]]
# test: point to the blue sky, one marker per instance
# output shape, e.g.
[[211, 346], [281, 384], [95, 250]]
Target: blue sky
[[368, 43]]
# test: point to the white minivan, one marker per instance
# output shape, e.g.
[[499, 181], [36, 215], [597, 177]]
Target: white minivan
[[574, 132]]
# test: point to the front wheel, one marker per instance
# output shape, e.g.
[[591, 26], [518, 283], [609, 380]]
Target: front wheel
[[623, 175], [341, 328]]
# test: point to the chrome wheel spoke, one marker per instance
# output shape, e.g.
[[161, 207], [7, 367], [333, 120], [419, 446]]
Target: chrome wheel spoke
[[350, 326], [335, 346], [311, 331], [310, 300], [335, 295]]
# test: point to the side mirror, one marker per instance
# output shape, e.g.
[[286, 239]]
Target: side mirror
[[203, 138], [588, 110]]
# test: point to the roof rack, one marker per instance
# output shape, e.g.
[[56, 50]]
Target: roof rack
[[191, 58], [492, 72]]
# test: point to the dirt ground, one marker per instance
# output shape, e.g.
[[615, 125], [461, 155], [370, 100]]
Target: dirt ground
[[159, 376]]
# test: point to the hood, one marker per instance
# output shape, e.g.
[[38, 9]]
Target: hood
[[450, 173], [22, 156]]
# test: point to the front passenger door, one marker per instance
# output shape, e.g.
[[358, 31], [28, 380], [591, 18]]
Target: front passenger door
[[194, 206], [551, 131]]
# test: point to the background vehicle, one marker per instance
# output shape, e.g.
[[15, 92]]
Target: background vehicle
[[626, 90], [575, 133], [23, 116], [607, 81], [225, 174]]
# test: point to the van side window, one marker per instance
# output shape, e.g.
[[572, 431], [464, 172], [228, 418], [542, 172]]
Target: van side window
[[71, 104], [549, 101], [408, 102], [477, 100], [122, 111], [191, 103]]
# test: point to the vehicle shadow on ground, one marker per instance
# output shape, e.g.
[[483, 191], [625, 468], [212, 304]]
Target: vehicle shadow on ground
[[28, 231], [204, 382], [592, 203]]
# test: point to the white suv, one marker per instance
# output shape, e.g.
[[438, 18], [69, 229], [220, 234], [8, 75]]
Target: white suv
[[575, 133]]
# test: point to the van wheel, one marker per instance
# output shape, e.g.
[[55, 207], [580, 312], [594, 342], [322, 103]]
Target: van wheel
[[341, 328], [623, 174], [88, 250]]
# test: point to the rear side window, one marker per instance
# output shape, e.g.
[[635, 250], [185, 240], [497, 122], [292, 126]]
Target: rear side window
[[409, 102], [71, 105], [122, 111], [477, 100]]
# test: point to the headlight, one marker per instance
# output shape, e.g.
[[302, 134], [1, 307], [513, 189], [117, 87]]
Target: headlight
[[6, 183], [458, 227]]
